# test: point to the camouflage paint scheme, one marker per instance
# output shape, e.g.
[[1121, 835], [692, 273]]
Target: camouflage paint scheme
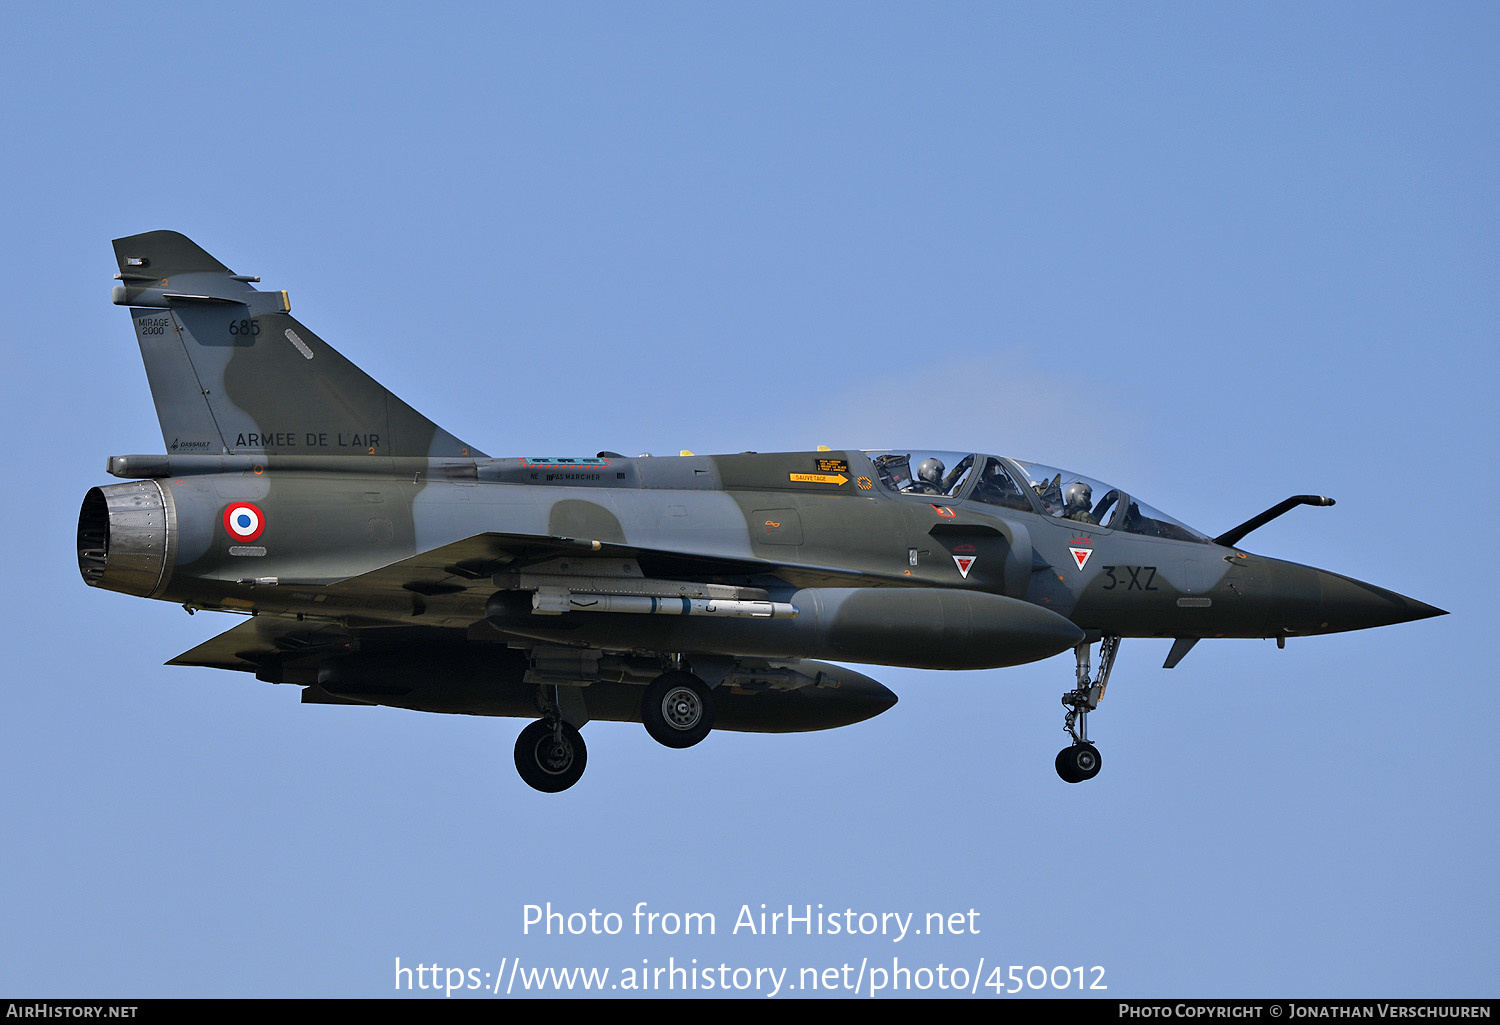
[[383, 561]]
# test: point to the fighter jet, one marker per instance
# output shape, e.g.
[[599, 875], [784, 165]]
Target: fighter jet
[[380, 560]]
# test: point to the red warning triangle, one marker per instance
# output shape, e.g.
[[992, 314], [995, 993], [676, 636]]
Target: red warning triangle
[[963, 562], [1081, 555]]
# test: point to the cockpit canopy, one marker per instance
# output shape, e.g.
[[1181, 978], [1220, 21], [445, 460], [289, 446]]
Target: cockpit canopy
[[1025, 487]]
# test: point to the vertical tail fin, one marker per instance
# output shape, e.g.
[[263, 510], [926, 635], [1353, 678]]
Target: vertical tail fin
[[231, 371]]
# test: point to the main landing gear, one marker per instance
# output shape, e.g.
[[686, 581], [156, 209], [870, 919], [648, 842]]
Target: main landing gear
[[678, 709], [1081, 760], [551, 755]]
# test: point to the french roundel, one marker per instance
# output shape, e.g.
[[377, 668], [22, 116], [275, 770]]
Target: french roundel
[[244, 521]]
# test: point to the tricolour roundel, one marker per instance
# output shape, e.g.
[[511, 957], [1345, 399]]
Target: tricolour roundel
[[244, 521]]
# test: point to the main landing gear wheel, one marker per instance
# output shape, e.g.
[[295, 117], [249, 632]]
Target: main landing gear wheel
[[1078, 763], [550, 757], [678, 709]]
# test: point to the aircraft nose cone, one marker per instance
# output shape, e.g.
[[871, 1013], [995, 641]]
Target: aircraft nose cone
[[1349, 604]]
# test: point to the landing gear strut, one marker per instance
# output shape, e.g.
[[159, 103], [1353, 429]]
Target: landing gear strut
[[1081, 761]]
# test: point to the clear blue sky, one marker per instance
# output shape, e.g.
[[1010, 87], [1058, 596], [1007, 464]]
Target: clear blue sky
[[1217, 254]]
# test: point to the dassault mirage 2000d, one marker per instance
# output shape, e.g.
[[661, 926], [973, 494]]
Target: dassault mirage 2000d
[[383, 561]]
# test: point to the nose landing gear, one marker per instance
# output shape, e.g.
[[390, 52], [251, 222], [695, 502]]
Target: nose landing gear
[[1081, 760], [1078, 763]]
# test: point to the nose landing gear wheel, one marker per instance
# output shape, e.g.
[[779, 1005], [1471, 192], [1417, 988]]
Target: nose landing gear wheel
[[678, 709], [1078, 763], [550, 758]]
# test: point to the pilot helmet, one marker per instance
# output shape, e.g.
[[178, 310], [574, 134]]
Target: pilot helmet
[[931, 471], [1078, 495]]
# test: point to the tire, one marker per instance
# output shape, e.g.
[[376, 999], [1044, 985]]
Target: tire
[[1078, 763], [547, 762], [678, 709]]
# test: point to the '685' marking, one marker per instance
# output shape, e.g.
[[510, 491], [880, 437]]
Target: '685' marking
[[244, 521]]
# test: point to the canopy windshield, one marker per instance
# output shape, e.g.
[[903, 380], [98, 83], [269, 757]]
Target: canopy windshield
[[1072, 496], [1026, 487], [923, 472]]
